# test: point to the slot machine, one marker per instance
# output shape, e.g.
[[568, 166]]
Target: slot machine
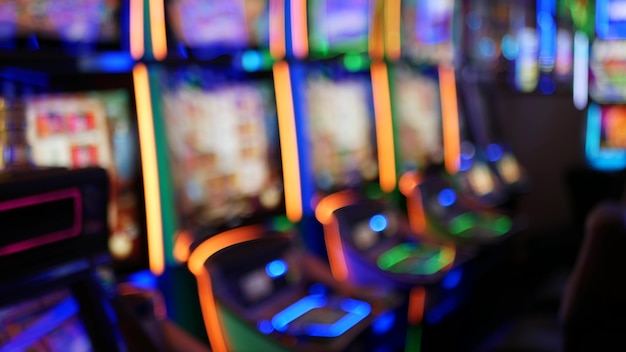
[[73, 70], [501, 50], [61, 299], [604, 147], [230, 186], [343, 115], [451, 191]]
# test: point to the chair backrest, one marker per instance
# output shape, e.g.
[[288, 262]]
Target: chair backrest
[[594, 302]]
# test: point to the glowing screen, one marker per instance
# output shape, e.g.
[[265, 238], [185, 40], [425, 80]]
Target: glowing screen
[[427, 29], [607, 71], [341, 126], [67, 20], [230, 23], [93, 129], [339, 24], [613, 128], [419, 120], [223, 143]]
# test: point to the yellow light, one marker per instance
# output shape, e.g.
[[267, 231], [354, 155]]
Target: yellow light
[[157, 29], [450, 117], [393, 25], [136, 29], [147, 144], [288, 141], [277, 25], [384, 126]]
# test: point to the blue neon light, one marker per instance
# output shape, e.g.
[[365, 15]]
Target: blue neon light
[[611, 19], [251, 61], [452, 279], [276, 268], [383, 323], [108, 62], [265, 326], [378, 223], [510, 48], [446, 197], [546, 28], [494, 152], [356, 312], [42, 326], [282, 319], [601, 159], [143, 279], [465, 164]]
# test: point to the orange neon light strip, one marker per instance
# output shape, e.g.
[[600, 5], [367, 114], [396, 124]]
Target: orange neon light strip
[[450, 118], [384, 127], [299, 28], [136, 29], [376, 30], [196, 262], [393, 34], [327, 206], [409, 187], [182, 246], [157, 29], [334, 249], [278, 46], [206, 249], [288, 141], [147, 143], [209, 314], [417, 300]]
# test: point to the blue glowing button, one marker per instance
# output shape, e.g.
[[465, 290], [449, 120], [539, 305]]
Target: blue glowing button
[[349, 313], [378, 223], [276, 268], [494, 152], [446, 197]]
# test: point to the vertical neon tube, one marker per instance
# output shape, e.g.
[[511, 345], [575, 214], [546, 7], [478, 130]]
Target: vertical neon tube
[[299, 30], [149, 164], [157, 29], [136, 29], [546, 32], [392, 24], [450, 119], [288, 141], [581, 70], [384, 127]]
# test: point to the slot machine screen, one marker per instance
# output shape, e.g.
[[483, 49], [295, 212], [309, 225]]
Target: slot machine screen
[[48, 323], [47, 23], [607, 71], [427, 30], [341, 130], [222, 136], [419, 122], [339, 25], [218, 25], [96, 128], [613, 127]]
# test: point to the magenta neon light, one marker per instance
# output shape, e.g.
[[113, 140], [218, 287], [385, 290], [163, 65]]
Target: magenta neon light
[[71, 193]]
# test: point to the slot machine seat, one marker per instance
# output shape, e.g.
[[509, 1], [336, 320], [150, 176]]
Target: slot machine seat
[[437, 210], [370, 243], [258, 293]]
